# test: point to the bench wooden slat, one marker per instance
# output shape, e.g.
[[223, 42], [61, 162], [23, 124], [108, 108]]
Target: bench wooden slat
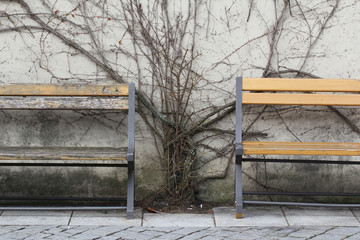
[[301, 99], [62, 153], [302, 85], [301, 148], [70, 103], [64, 90]]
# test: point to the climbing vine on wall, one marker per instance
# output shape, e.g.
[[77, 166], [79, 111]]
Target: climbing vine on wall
[[183, 56]]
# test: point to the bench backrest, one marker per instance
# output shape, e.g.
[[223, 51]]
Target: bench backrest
[[73, 97], [272, 91], [68, 96]]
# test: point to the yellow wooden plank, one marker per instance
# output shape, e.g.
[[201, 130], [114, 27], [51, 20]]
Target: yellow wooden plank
[[301, 99], [314, 145], [301, 148], [64, 90], [302, 85]]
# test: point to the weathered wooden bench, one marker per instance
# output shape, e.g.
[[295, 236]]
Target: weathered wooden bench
[[281, 91], [72, 97]]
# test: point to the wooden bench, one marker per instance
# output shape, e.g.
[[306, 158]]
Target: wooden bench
[[281, 91], [73, 97]]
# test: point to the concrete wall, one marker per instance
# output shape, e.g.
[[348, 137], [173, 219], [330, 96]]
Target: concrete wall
[[231, 38]]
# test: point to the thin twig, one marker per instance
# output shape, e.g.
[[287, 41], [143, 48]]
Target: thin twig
[[249, 13], [346, 119]]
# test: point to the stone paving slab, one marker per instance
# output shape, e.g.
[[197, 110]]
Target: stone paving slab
[[35, 217], [183, 220], [104, 213], [111, 217], [300, 216], [356, 212], [253, 216], [37, 213], [33, 220]]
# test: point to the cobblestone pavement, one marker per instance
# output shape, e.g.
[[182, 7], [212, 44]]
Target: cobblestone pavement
[[139, 233]]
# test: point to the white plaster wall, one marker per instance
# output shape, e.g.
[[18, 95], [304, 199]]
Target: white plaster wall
[[227, 45]]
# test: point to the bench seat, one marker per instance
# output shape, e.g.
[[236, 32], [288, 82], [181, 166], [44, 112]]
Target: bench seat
[[63, 153], [302, 148]]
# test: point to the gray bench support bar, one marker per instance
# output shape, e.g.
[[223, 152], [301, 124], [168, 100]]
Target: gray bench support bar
[[20, 208], [130, 156], [238, 150], [302, 204]]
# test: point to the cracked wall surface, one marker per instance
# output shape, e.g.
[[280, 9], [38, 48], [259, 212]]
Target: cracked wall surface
[[296, 38]]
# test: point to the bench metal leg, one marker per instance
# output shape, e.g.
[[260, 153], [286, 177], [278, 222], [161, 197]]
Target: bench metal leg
[[238, 188], [238, 150], [130, 193], [130, 155]]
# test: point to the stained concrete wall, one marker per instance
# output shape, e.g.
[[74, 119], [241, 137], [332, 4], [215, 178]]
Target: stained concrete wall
[[80, 129], [233, 38]]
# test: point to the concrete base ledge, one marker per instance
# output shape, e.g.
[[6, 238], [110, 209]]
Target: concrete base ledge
[[254, 216]]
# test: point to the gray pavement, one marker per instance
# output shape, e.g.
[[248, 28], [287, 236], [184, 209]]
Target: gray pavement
[[258, 223]]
